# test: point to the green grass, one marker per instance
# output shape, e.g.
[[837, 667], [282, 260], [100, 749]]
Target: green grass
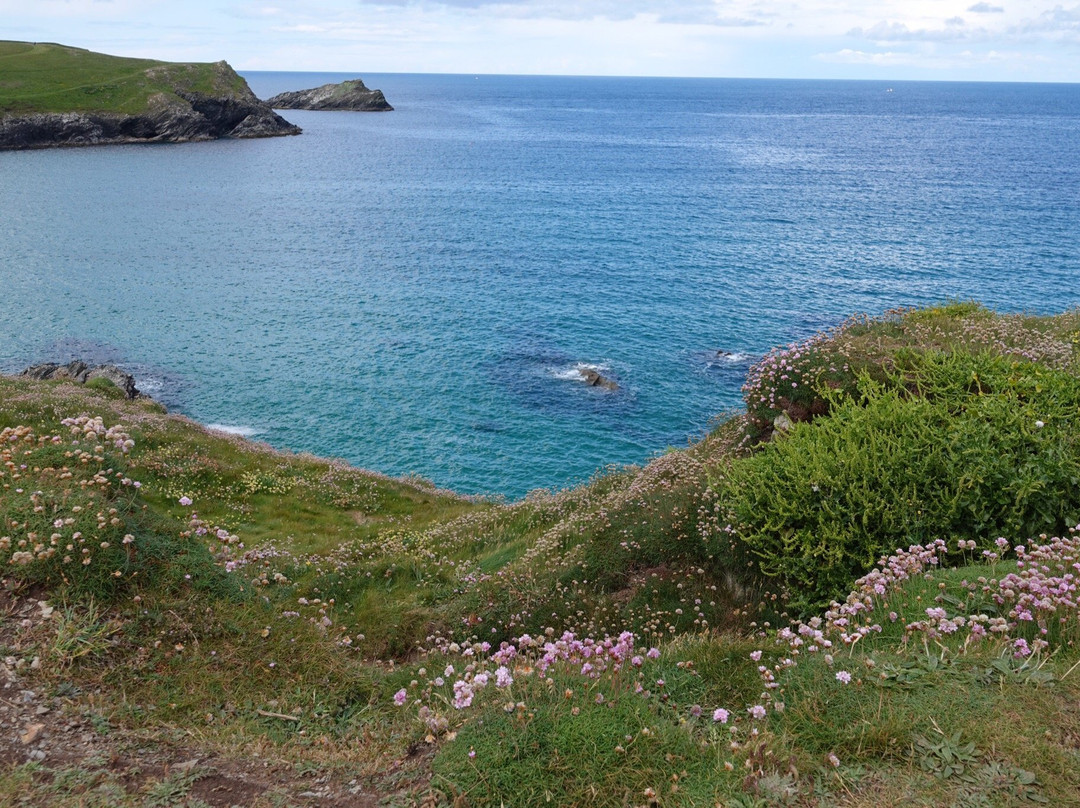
[[349, 586], [44, 77]]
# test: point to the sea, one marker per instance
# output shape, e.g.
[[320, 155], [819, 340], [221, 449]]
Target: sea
[[418, 291]]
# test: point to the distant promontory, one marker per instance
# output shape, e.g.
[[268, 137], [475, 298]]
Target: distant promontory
[[54, 95], [350, 95]]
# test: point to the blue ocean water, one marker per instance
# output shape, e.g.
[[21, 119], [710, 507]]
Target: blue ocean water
[[413, 290]]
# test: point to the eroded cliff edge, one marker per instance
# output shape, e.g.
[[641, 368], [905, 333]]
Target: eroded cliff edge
[[52, 95]]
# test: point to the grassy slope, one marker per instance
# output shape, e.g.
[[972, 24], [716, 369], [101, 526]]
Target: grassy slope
[[44, 77], [399, 569]]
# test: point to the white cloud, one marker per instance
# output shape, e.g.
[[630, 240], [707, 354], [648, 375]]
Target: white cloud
[[924, 38], [883, 31], [964, 60], [856, 57], [1056, 21], [723, 13], [13, 9]]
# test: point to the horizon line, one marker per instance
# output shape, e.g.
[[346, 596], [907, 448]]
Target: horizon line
[[662, 78]]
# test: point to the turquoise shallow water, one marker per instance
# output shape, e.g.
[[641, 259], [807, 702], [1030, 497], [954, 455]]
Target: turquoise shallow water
[[413, 290]]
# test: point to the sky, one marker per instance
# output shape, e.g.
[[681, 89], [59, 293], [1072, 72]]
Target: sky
[[955, 40]]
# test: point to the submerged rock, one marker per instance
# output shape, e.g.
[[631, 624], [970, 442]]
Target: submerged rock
[[81, 373], [594, 379], [350, 95]]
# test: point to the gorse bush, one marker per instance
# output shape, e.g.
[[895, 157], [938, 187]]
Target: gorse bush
[[956, 445]]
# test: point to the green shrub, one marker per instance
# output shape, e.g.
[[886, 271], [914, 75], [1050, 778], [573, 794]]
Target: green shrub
[[953, 446], [106, 387], [801, 379]]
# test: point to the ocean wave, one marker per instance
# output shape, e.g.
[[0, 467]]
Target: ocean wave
[[576, 373], [149, 385], [242, 431]]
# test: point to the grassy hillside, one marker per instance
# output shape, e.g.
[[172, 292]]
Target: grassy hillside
[[43, 77], [706, 629]]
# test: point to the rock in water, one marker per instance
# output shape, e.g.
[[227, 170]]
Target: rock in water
[[349, 95], [81, 373], [594, 379]]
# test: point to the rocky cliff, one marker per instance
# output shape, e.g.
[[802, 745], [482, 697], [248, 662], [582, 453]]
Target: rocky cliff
[[81, 373], [141, 102], [349, 95]]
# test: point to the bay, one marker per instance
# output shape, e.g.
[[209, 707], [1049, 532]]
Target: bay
[[414, 290]]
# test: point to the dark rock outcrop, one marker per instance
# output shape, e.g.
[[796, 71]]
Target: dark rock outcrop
[[349, 95], [82, 373], [173, 117], [594, 379]]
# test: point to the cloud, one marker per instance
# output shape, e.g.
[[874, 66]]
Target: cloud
[[76, 8], [689, 12], [916, 38], [303, 28], [1059, 17], [957, 61], [857, 57], [1058, 23], [899, 32], [709, 18]]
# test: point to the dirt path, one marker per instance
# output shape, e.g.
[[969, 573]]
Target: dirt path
[[56, 750]]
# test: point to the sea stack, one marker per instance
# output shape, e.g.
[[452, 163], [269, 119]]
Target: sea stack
[[350, 96]]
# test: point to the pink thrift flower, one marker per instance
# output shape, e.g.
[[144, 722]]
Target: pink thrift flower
[[185, 501], [503, 677], [757, 712], [463, 695], [720, 715], [843, 677], [399, 697]]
